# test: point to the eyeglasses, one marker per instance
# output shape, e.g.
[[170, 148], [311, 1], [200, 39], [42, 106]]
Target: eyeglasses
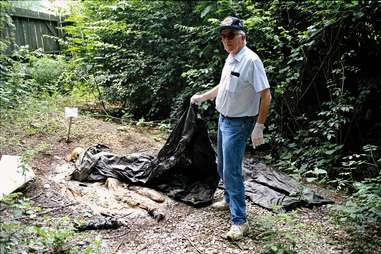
[[230, 35]]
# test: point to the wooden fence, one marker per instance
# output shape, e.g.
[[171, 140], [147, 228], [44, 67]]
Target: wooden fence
[[35, 29]]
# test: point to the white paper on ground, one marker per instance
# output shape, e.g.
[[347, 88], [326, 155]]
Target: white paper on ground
[[12, 174]]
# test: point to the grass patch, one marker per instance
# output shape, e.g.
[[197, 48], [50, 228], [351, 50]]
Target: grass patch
[[35, 119], [276, 240], [23, 231], [287, 233]]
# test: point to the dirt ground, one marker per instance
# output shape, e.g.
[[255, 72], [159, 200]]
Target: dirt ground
[[184, 229]]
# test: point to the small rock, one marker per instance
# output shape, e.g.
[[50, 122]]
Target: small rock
[[122, 128], [46, 186]]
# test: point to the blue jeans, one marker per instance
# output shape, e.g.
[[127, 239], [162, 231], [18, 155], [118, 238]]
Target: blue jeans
[[231, 142]]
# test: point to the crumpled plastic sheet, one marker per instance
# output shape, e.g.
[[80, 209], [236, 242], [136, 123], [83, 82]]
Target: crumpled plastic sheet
[[184, 169], [275, 190]]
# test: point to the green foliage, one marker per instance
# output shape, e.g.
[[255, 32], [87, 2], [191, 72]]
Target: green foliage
[[317, 117], [150, 57], [26, 74], [358, 166], [32, 75], [364, 205], [164, 127], [33, 236], [278, 248], [275, 240], [132, 51], [5, 25], [33, 117], [46, 71], [34, 121]]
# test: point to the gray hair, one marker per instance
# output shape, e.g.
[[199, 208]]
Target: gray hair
[[243, 35]]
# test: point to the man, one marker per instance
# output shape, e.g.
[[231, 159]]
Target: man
[[243, 98]]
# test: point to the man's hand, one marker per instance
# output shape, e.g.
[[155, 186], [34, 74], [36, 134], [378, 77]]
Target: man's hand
[[197, 99], [257, 135]]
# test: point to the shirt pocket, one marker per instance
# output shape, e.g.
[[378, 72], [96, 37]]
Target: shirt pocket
[[232, 85], [238, 85]]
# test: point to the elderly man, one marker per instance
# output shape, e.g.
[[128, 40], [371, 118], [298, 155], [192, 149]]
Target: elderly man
[[243, 100]]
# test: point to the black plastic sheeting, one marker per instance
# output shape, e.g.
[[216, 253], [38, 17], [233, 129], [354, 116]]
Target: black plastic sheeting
[[185, 169], [276, 190]]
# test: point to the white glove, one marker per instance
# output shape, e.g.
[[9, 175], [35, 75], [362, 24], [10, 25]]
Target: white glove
[[257, 135], [197, 99]]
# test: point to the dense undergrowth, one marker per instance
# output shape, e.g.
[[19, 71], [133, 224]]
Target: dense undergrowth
[[28, 228], [146, 58]]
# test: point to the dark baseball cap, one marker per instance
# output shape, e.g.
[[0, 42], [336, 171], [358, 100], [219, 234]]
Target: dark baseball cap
[[231, 23]]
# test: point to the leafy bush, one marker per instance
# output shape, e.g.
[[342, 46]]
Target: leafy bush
[[17, 84], [150, 57], [133, 52], [33, 75], [364, 205], [47, 71]]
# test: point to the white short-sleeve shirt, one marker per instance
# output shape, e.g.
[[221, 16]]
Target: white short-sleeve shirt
[[242, 78]]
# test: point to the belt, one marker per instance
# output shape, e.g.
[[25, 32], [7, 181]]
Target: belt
[[237, 117]]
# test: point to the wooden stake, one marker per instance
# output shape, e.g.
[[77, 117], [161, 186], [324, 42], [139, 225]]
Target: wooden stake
[[68, 133]]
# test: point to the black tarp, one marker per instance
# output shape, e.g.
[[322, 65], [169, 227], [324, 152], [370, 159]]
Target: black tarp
[[185, 169], [276, 190]]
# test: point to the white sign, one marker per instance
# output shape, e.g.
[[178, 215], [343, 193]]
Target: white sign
[[71, 112]]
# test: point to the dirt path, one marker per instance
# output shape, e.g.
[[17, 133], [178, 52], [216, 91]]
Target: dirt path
[[184, 229]]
